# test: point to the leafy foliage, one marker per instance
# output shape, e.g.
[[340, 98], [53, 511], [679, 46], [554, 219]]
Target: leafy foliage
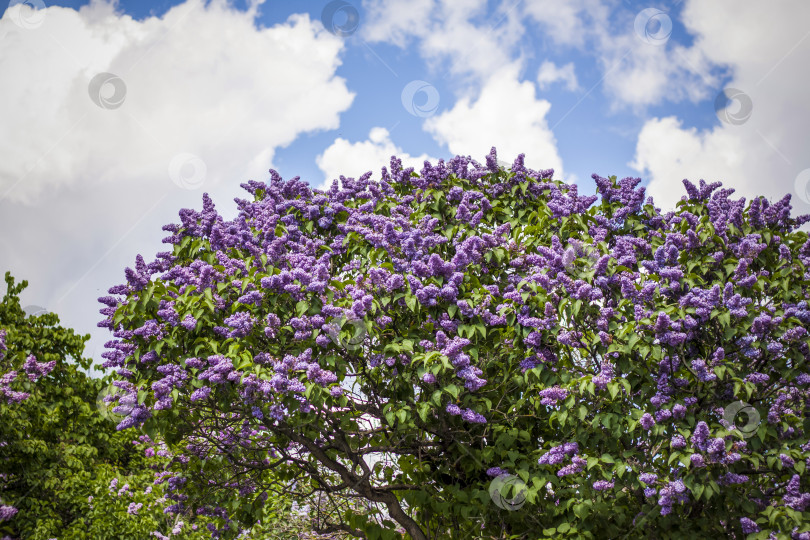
[[506, 325], [65, 470]]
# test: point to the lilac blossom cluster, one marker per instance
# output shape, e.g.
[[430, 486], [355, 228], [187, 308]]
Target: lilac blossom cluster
[[558, 454], [368, 251], [550, 396], [673, 492], [468, 415]]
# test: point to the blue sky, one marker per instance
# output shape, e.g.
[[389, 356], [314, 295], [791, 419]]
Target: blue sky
[[115, 116]]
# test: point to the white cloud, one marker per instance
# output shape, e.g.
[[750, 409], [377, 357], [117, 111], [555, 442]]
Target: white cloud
[[396, 22], [549, 73], [459, 37], [220, 97], [566, 23], [352, 160], [640, 75], [476, 45], [635, 73], [767, 61], [763, 155], [83, 187], [506, 115]]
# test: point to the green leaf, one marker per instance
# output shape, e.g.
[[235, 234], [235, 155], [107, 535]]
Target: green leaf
[[423, 409], [402, 414], [410, 301]]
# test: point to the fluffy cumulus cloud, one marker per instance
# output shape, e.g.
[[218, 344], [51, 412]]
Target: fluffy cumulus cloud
[[476, 44], [760, 146], [201, 79], [550, 73], [350, 159], [643, 66], [462, 37], [571, 23], [110, 123], [640, 65], [507, 114]]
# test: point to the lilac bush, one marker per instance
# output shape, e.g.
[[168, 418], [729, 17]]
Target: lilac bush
[[591, 345]]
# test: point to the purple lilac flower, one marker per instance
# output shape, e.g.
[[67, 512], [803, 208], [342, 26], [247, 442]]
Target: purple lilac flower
[[716, 446], [134, 508], [647, 421], [648, 478], [201, 393], [602, 485], [453, 409], [757, 378], [552, 395], [794, 333], [793, 497], [150, 329], [748, 526], [731, 457], [699, 366], [558, 453], [700, 435], [35, 369], [732, 478], [605, 375], [496, 471], [787, 461], [471, 416], [189, 322], [7, 512], [577, 463], [241, 324]]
